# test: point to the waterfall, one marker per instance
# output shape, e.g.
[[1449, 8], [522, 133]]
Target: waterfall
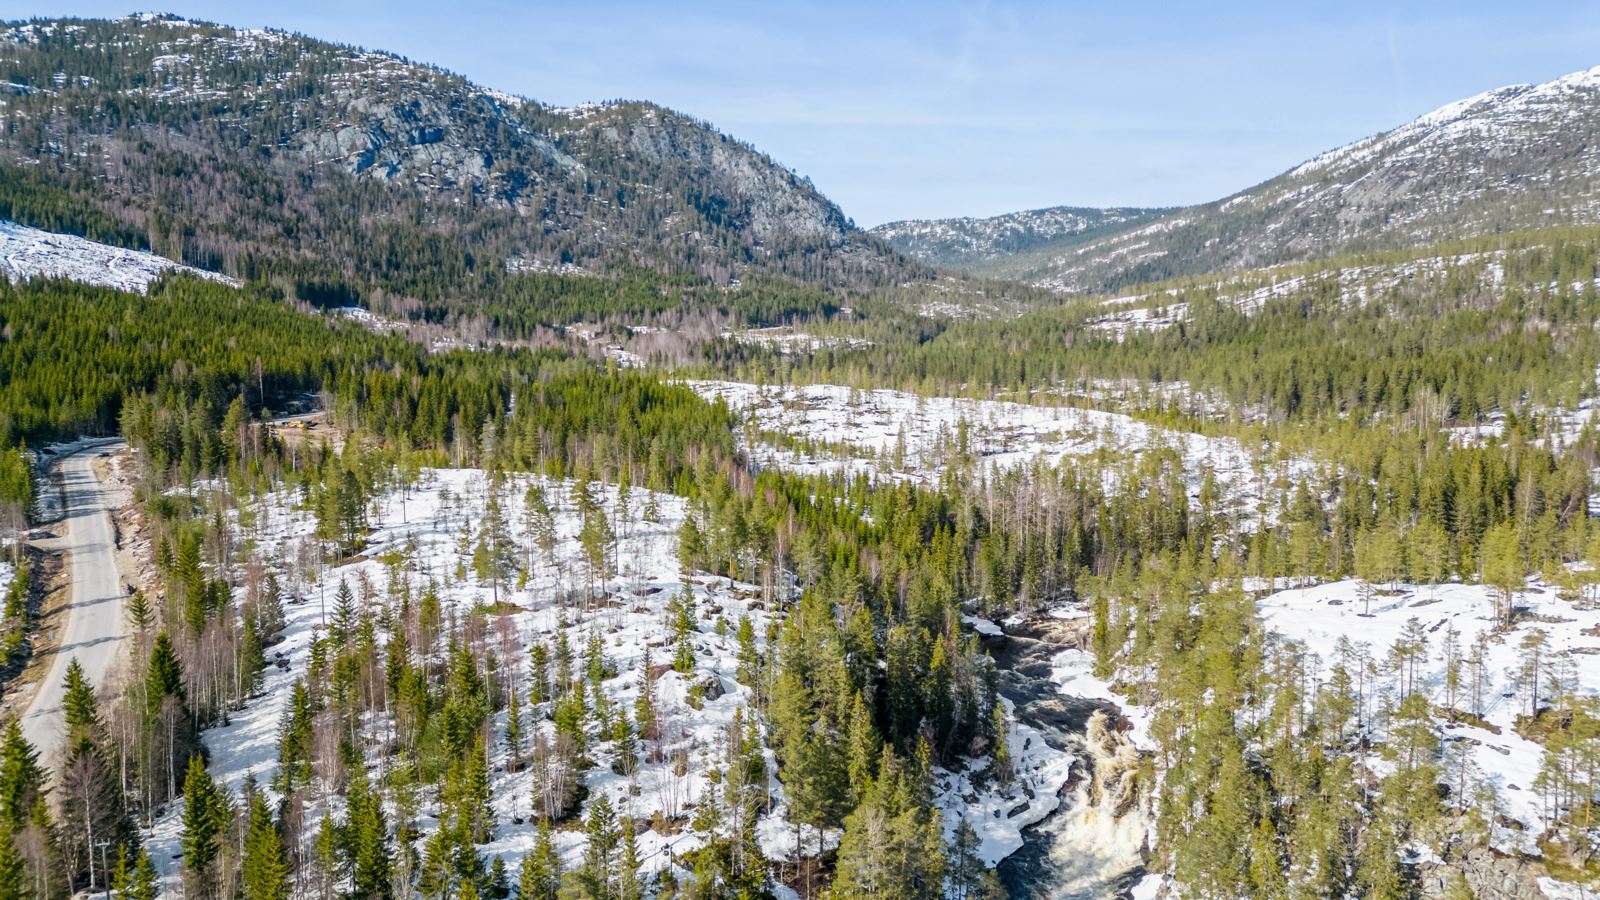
[[1092, 846]]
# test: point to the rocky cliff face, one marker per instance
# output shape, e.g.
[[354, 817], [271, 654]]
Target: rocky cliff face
[[727, 180], [233, 143], [1490, 875]]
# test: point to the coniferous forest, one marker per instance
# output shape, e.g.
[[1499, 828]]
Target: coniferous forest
[[475, 532]]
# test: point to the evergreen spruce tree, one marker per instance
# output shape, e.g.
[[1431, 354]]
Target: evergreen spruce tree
[[21, 777], [644, 705], [205, 823], [294, 740], [164, 675], [1504, 567], [599, 855], [265, 872], [499, 883], [541, 869], [514, 731], [344, 615], [966, 875], [893, 842], [366, 847], [862, 749], [1002, 743], [135, 877], [189, 581], [749, 658], [15, 882], [79, 705], [629, 883]]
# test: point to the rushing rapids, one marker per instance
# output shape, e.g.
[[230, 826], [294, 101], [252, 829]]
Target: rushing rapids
[[1092, 845]]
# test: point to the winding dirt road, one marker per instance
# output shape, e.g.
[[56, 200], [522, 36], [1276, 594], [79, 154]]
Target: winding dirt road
[[95, 626]]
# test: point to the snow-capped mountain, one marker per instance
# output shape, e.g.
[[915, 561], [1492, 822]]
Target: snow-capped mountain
[[226, 147], [1518, 157], [970, 243]]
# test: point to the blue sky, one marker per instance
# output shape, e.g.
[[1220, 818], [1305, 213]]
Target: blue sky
[[900, 110]]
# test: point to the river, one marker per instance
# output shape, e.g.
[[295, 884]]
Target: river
[[1079, 851]]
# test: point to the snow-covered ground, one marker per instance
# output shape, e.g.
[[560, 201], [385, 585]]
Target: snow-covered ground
[[427, 525], [31, 253], [998, 816], [1318, 617], [1560, 428], [368, 319], [521, 265], [1126, 321], [954, 298], [786, 340], [837, 429], [1249, 293], [1073, 673]]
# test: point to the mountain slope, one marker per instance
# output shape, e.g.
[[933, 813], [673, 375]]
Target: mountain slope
[[976, 245], [268, 154], [1519, 157], [27, 253]]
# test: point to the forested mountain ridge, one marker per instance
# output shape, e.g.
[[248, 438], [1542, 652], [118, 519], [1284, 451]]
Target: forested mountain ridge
[[651, 532], [984, 245], [1517, 157], [268, 154]]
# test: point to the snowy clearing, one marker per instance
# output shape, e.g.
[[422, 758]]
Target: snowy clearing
[[427, 525], [1317, 617], [31, 253], [834, 429], [785, 340]]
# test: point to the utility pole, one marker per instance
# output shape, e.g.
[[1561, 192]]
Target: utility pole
[[105, 871]]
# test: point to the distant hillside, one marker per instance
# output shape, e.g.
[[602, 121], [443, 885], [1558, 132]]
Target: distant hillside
[[348, 172], [1519, 157], [976, 245]]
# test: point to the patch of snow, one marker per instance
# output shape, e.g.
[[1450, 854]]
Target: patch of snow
[[427, 523], [1151, 886], [27, 252], [982, 626], [1073, 673], [785, 340], [1565, 890], [519, 265], [999, 815]]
